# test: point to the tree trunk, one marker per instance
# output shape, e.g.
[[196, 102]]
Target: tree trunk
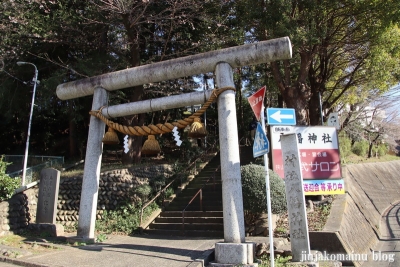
[[294, 99], [134, 142], [240, 116], [371, 145], [295, 96], [73, 147], [314, 110]]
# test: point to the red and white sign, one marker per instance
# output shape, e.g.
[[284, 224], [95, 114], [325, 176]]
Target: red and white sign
[[318, 148], [256, 101]]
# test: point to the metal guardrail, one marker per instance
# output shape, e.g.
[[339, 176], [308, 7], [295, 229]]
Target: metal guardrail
[[32, 173], [199, 192]]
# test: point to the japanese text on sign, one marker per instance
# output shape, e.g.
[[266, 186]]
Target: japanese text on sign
[[323, 187], [318, 150]]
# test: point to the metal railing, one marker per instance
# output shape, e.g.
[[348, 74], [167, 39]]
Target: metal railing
[[194, 163], [199, 192], [32, 173]]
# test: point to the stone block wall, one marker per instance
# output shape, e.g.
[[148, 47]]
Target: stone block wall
[[114, 188], [20, 211], [17, 212]]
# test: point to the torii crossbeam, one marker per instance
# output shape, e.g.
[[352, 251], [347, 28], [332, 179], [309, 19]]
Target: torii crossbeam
[[234, 250]]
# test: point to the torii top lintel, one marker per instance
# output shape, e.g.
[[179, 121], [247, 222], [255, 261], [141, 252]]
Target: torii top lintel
[[244, 55]]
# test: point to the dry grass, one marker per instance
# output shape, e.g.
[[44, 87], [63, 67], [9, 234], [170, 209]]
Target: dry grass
[[110, 163], [354, 159]]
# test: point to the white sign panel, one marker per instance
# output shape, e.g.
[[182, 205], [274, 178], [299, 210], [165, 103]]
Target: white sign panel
[[319, 150]]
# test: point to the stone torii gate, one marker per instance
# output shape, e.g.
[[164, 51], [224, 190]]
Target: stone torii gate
[[234, 250]]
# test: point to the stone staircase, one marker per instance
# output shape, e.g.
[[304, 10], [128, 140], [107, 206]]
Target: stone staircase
[[199, 218]]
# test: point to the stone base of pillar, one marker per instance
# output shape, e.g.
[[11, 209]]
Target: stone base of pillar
[[46, 229], [78, 239], [234, 254], [214, 264]]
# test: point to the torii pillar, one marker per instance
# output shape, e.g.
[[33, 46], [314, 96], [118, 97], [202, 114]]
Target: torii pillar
[[234, 250]]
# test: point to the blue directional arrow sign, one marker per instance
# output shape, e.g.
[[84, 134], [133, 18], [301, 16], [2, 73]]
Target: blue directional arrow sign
[[261, 143], [281, 116]]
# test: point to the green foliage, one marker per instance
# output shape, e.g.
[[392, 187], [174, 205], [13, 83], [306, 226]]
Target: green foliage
[[143, 192], [7, 184], [169, 192], [278, 194], [336, 31], [158, 183], [278, 262], [125, 219], [254, 192], [380, 150], [360, 148], [101, 238], [344, 145]]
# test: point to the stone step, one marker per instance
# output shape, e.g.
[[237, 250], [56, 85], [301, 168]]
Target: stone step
[[192, 214], [192, 233], [193, 188], [206, 206], [206, 180], [206, 220], [207, 197], [188, 226], [194, 208]]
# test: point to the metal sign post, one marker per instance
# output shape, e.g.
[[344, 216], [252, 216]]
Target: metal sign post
[[267, 187], [261, 147]]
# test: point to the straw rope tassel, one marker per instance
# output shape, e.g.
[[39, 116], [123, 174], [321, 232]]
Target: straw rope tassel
[[159, 128], [111, 137], [151, 146], [197, 129]]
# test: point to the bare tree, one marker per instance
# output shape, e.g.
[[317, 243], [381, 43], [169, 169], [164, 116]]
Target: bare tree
[[375, 120]]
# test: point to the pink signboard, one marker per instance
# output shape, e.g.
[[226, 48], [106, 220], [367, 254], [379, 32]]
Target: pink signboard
[[318, 149]]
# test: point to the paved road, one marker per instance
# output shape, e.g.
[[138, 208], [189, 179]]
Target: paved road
[[5, 264], [120, 251], [387, 251]]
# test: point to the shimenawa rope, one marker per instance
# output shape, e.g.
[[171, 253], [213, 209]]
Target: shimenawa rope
[[159, 128]]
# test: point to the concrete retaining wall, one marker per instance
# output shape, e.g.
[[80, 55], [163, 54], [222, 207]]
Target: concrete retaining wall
[[355, 219]]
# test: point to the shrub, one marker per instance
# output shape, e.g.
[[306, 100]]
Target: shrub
[[344, 145], [143, 192], [254, 192], [380, 150], [125, 219], [7, 184], [360, 148]]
